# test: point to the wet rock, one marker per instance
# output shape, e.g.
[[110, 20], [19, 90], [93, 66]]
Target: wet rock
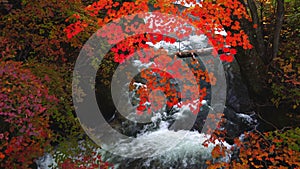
[[237, 123], [45, 161], [237, 94]]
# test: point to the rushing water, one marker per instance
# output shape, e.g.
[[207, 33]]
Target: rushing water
[[157, 148], [157, 145], [162, 148]]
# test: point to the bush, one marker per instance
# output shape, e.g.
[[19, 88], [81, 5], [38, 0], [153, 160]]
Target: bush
[[35, 29], [25, 111], [275, 149], [63, 121]]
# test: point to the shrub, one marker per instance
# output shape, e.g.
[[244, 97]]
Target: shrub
[[35, 29], [275, 149], [25, 109], [63, 121]]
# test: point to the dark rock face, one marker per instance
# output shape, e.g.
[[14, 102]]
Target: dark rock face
[[234, 124], [238, 113], [237, 94]]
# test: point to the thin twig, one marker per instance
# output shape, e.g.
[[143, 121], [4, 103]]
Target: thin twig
[[258, 114]]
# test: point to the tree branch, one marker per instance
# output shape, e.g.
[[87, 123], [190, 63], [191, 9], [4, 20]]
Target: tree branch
[[278, 27], [198, 52], [260, 44]]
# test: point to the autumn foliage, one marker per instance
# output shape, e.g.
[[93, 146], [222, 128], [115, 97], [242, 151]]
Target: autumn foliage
[[35, 29], [35, 99], [25, 112], [257, 150], [277, 149], [210, 19], [125, 44]]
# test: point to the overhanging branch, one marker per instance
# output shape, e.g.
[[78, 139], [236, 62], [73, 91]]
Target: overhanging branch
[[190, 53]]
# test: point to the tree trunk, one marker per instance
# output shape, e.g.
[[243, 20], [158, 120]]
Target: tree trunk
[[278, 27], [254, 74], [254, 63], [253, 68]]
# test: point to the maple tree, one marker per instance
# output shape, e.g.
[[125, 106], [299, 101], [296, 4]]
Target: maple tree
[[209, 19]]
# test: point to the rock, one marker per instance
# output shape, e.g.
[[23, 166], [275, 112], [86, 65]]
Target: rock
[[45, 162], [237, 94], [237, 123]]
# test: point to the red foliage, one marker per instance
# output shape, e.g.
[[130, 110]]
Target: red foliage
[[212, 15], [258, 150], [24, 115], [35, 28]]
